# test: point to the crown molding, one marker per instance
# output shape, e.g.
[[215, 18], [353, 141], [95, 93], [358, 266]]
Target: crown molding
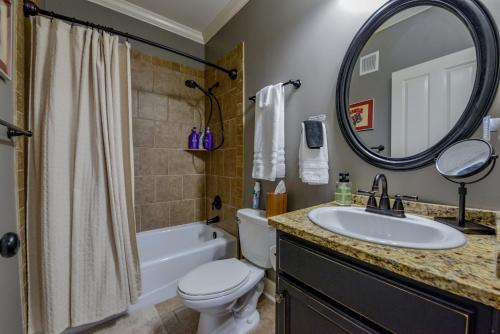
[[162, 22], [139, 13], [226, 14]]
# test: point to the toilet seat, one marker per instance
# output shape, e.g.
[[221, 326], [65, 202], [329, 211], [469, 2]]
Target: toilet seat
[[214, 279]]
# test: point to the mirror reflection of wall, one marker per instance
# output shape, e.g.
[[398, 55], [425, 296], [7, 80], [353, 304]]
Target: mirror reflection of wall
[[420, 84]]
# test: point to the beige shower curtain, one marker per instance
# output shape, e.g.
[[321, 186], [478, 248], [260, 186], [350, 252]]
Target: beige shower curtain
[[82, 253]]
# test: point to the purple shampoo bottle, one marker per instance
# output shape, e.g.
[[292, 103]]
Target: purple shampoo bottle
[[193, 139], [208, 141]]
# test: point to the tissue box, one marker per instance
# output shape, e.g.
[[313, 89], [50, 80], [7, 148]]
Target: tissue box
[[276, 204]]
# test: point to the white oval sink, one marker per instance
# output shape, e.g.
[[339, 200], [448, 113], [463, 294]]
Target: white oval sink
[[409, 232]]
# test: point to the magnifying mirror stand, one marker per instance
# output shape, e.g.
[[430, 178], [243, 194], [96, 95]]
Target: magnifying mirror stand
[[460, 223]]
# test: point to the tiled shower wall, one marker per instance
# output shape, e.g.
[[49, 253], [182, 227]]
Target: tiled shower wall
[[225, 166], [169, 181], [173, 186]]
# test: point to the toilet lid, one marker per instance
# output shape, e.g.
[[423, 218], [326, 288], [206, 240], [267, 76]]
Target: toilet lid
[[214, 277]]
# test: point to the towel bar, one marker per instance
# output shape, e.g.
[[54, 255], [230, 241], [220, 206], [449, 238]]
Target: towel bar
[[14, 131], [295, 83]]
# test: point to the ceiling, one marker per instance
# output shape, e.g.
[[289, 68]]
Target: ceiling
[[198, 20]]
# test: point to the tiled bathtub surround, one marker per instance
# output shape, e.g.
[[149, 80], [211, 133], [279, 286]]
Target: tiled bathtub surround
[[225, 166], [169, 182]]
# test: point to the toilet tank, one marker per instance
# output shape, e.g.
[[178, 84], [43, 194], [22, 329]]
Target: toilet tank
[[256, 236]]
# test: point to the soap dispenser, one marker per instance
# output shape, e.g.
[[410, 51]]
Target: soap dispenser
[[343, 190]]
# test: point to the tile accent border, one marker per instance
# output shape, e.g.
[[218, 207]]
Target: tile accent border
[[224, 169]]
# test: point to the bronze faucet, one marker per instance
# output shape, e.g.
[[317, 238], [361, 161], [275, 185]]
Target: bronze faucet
[[384, 203], [384, 206]]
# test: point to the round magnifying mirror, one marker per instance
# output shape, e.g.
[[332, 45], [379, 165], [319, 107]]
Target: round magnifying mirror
[[465, 158]]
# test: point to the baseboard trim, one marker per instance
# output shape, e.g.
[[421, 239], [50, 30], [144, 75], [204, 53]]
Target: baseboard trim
[[269, 289]]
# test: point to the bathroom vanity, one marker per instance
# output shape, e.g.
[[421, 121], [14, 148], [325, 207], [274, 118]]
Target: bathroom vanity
[[328, 283], [335, 283]]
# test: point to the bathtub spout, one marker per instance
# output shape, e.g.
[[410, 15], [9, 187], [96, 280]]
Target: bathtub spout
[[213, 220]]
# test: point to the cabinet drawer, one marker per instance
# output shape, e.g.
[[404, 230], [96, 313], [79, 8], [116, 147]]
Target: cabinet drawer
[[393, 307]]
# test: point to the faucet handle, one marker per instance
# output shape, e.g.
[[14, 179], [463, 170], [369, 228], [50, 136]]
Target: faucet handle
[[398, 207], [372, 201]]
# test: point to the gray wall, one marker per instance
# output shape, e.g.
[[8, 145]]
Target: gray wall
[[428, 35], [307, 40], [86, 10], [7, 100]]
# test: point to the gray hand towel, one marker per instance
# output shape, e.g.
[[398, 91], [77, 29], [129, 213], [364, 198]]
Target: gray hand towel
[[314, 134]]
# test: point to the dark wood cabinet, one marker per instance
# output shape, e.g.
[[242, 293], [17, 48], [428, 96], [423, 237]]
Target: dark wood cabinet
[[303, 313], [321, 291]]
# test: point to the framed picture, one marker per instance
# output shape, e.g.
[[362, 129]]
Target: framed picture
[[6, 38], [361, 114]]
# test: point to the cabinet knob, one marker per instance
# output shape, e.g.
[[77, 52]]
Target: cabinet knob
[[9, 244]]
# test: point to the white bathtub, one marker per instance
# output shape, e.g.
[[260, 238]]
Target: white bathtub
[[168, 254]]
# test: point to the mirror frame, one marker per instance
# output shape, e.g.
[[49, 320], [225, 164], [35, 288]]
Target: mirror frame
[[483, 31]]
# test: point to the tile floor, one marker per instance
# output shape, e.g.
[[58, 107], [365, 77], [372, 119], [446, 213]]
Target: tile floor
[[171, 317]]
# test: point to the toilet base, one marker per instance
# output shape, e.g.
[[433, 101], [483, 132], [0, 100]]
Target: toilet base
[[227, 324], [240, 318]]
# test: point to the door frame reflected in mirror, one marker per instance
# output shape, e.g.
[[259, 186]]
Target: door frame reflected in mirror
[[485, 35]]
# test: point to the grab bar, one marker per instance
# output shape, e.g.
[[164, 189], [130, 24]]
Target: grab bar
[[14, 131]]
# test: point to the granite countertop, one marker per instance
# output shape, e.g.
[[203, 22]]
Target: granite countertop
[[468, 271]]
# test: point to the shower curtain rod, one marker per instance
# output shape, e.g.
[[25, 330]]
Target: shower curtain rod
[[31, 9]]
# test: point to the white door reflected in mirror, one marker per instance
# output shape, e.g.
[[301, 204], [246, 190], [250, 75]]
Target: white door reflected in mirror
[[428, 99]]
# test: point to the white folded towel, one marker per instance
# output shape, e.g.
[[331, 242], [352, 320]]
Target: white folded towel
[[269, 136], [313, 163]]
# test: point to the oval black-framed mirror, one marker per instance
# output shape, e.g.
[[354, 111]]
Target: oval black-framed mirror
[[483, 32]]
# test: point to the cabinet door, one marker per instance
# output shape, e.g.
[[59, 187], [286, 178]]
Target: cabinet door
[[385, 302], [301, 313]]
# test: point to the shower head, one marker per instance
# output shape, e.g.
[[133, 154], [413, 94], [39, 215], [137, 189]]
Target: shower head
[[194, 84]]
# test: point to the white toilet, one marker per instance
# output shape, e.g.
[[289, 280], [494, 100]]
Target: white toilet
[[226, 292]]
